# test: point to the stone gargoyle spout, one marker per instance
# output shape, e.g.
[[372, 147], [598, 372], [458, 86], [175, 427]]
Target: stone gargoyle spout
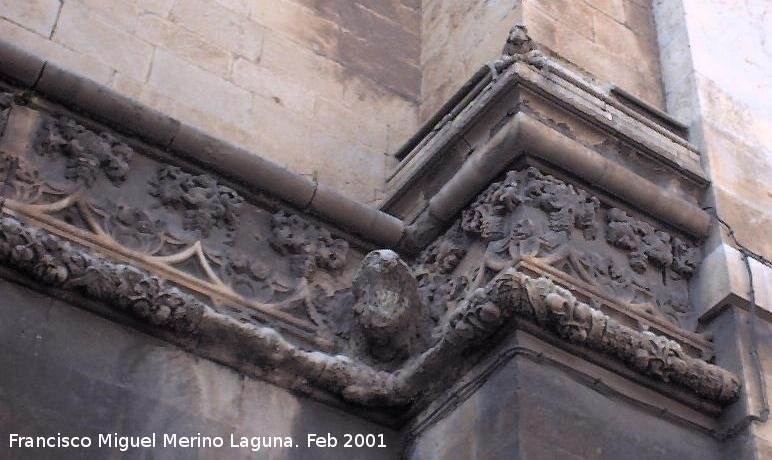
[[391, 323]]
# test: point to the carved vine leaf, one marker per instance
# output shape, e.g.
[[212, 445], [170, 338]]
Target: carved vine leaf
[[531, 215], [646, 245], [311, 246], [685, 258], [566, 208], [438, 287], [87, 152], [25, 184], [250, 278], [205, 203]]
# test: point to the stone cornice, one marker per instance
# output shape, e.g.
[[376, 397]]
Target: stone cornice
[[37, 76], [555, 116], [511, 294], [525, 135]]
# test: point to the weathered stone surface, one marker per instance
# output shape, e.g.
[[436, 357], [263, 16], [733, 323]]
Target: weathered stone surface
[[530, 409], [89, 35], [169, 36], [220, 26], [391, 323], [597, 36], [283, 91], [79, 63], [115, 379], [344, 70], [36, 15], [199, 88]]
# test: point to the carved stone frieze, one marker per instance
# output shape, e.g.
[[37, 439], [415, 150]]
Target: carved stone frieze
[[205, 203], [509, 294], [58, 263], [530, 215], [87, 152], [188, 226], [400, 325]]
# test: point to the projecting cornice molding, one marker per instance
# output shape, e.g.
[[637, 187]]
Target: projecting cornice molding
[[525, 108]]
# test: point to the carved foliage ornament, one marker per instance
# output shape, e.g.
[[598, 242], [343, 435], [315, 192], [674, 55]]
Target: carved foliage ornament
[[647, 245], [539, 217], [57, 263], [52, 261], [312, 246], [205, 203], [87, 152], [512, 293]]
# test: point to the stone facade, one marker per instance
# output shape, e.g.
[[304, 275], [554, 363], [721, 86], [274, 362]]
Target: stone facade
[[551, 250], [252, 72], [612, 40]]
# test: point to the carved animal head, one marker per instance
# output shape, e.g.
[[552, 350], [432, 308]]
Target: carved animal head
[[390, 320]]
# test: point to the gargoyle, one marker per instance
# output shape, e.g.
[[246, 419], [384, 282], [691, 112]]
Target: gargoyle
[[391, 323]]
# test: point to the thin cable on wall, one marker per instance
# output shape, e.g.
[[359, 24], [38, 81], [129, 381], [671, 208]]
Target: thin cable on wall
[[747, 254]]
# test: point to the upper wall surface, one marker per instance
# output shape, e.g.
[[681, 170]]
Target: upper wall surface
[[717, 69], [614, 40], [324, 88]]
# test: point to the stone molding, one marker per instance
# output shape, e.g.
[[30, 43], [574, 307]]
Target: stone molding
[[36, 76], [510, 294], [525, 107]]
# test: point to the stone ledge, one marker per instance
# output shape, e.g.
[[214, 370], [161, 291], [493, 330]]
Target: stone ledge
[[510, 294], [523, 135]]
